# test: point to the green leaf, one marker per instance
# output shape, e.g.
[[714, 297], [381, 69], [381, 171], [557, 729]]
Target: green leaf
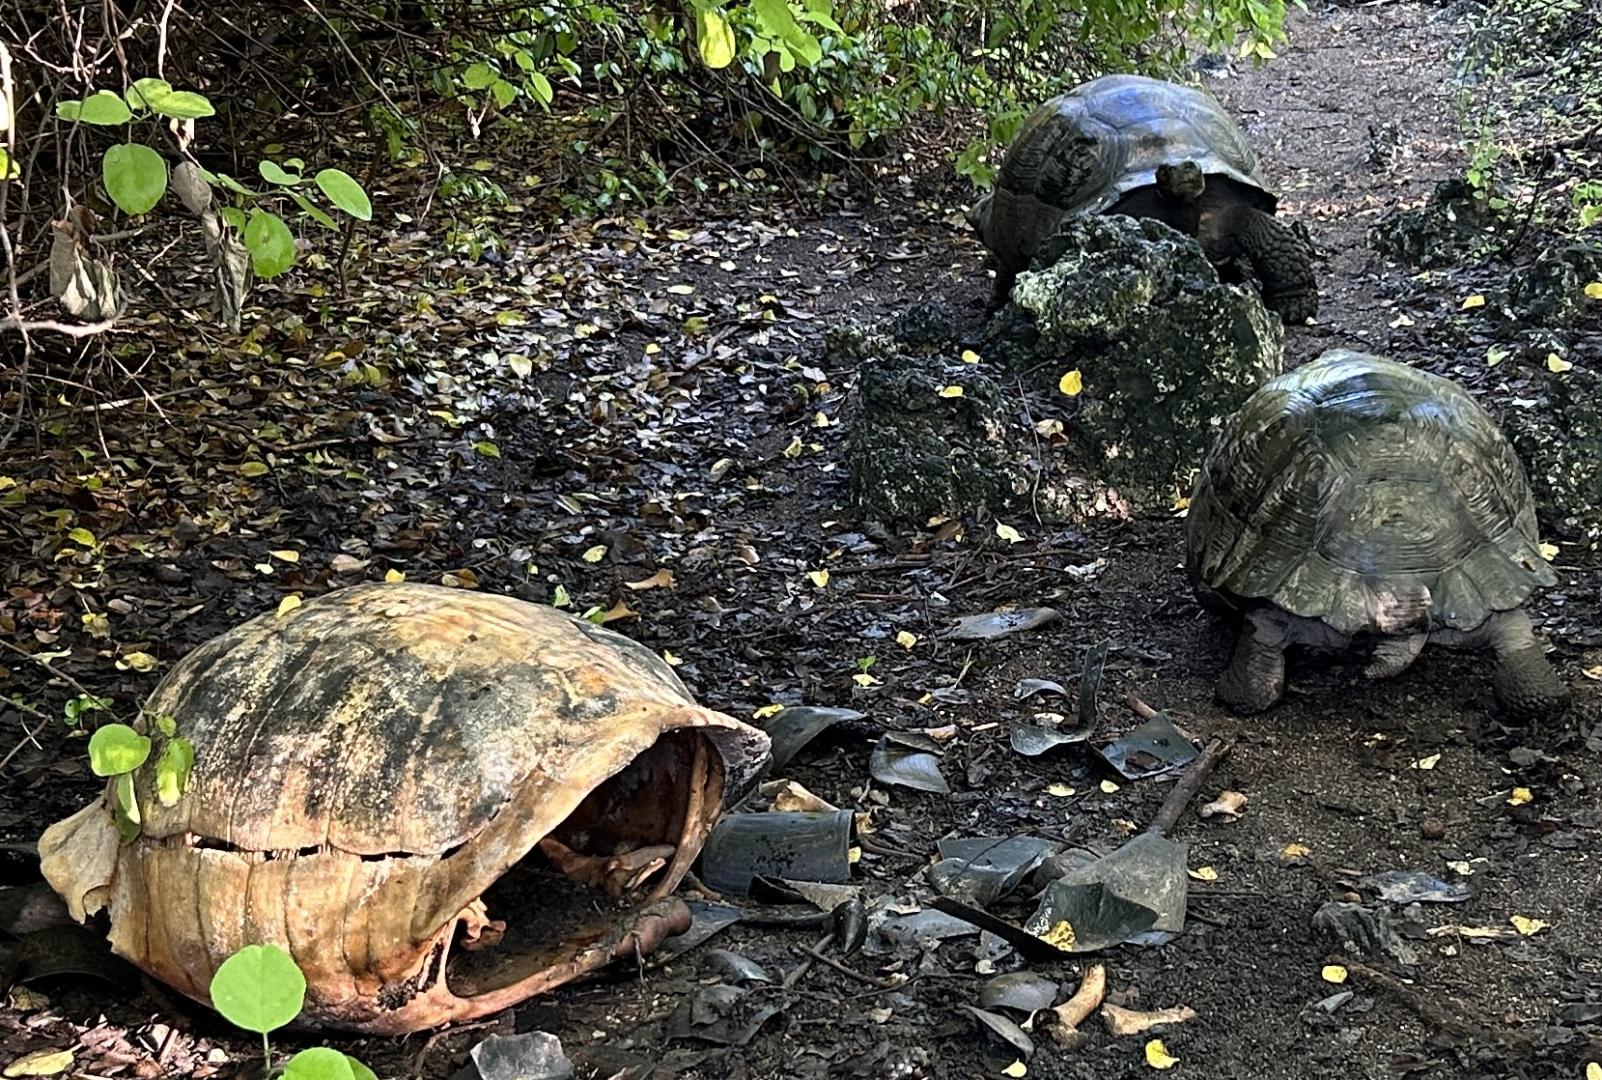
[[144, 91], [259, 988], [273, 173], [167, 724], [172, 770], [360, 1071], [344, 192], [183, 105], [319, 1063], [82, 536], [488, 449], [478, 76], [8, 168], [127, 808], [102, 107], [315, 212], [235, 217], [776, 20], [714, 38], [505, 93], [116, 749], [271, 247], [135, 177], [541, 87]]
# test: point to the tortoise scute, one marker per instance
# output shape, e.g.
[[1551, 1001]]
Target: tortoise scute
[[374, 764], [1370, 495]]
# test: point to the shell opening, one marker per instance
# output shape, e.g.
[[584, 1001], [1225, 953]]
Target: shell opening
[[625, 846]]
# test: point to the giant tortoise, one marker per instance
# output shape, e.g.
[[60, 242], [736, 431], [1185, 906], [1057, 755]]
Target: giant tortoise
[[1357, 497], [1128, 144], [438, 802]]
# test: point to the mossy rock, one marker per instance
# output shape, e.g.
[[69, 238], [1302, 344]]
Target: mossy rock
[[1551, 290], [915, 453], [1165, 350], [1455, 221], [1559, 438]]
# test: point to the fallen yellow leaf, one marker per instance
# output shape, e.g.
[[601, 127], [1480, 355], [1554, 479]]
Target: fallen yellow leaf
[[1520, 796], [1293, 852], [670, 659], [1333, 973], [138, 661], [394, 576], [286, 555], [1594, 291], [288, 604], [969, 356], [767, 711], [1549, 552], [1017, 1068], [820, 578], [1072, 383], [1474, 301], [1593, 1071], [1427, 763], [1527, 926], [1593, 672], [1008, 533], [595, 554], [862, 678], [41, 1063], [1158, 1057], [1204, 873], [1061, 791], [906, 639], [1556, 364], [1494, 356], [950, 391], [1108, 787]]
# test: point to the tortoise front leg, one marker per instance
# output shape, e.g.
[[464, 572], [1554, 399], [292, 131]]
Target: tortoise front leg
[[1278, 258], [1255, 678], [1524, 682]]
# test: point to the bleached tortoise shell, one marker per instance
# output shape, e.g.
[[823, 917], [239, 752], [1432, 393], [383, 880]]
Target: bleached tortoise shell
[[368, 764]]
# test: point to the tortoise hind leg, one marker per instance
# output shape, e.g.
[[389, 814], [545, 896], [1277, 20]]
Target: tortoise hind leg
[[1394, 655], [1277, 257], [1255, 678], [1524, 682]]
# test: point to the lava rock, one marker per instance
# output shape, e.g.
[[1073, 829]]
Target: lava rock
[[1559, 440], [1453, 222], [1165, 350]]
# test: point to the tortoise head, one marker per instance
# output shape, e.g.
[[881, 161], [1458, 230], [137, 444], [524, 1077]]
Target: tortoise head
[[1183, 182]]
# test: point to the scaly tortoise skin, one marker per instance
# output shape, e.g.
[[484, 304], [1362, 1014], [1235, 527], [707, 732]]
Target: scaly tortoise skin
[[1127, 144], [1359, 496], [369, 763]]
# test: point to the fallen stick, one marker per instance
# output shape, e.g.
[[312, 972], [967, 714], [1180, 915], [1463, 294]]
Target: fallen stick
[[1185, 790]]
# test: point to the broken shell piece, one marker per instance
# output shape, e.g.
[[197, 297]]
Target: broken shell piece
[[374, 761], [1121, 1021], [1229, 805]]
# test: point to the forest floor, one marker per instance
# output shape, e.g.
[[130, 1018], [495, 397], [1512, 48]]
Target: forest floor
[[522, 411]]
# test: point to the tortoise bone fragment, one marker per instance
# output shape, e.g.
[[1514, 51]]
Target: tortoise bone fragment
[[439, 802], [1356, 498]]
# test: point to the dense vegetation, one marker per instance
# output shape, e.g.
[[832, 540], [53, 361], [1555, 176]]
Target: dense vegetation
[[275, 117]]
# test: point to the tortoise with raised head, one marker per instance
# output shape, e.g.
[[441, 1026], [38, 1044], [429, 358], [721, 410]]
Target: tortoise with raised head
[[1127, 144], [1357, 497], [438, 802]]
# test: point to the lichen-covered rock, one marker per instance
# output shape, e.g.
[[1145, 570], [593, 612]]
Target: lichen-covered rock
[[1551, 290], [1454, 221], [916, 450], [1560, 440], [1164, 349]]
